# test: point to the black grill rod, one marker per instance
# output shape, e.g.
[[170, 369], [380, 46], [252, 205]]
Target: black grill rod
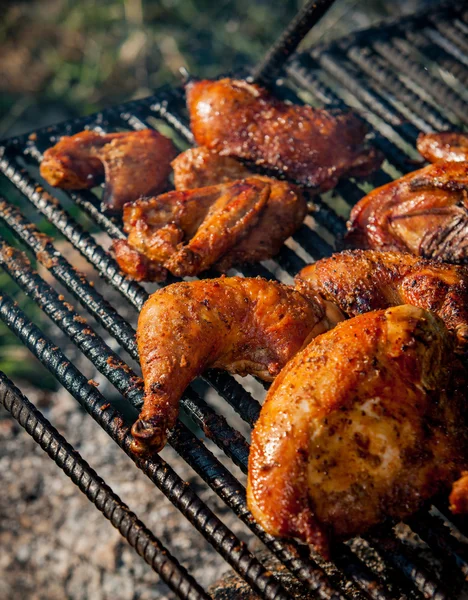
[[397, 55], [337, 65], [452, 33], [374, 66], [268, 68], [396, 554], [432, 529], [430, 43], [76, 283], [117, 426], [140, 538], [123, 379]]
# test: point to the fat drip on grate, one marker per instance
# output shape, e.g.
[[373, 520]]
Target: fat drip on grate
[[399, 97]]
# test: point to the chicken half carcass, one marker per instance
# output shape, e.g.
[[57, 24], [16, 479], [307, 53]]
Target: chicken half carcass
[[313, 147], [238, 324], [362, 280], [135, 164], [367, 422]]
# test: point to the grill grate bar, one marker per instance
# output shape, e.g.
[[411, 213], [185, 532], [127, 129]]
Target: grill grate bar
[[433, 530], [399, 57], [453, 34], [374, 66], [267, 70], [117, 426], [342, 70], [436, 49], [99, 493], [395, 553]]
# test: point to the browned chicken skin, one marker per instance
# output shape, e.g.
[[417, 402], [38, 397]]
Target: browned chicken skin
[[424, 212], [443, 147], [365, 423], [283, 214], [189, 230], [362, 280], [311, 146], [199, 167], [134, 163], [240, 325]]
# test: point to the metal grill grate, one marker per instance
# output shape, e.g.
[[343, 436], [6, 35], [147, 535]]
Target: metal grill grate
[[403, 78]]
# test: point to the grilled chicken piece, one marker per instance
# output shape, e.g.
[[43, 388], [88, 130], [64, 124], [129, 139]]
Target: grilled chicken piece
[[424, 212], [200, 167], [311, 146], [210, 220], [443, 147], [359, 281], [240, 325], [365, 423], [283, 214], [135, 164]]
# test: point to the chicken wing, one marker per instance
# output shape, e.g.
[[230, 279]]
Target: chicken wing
[[283, 214], [424, 212], [240, 325], [311, 146], [362, 280], [443, 147], [365, 423], [134, 163], [188, 231]]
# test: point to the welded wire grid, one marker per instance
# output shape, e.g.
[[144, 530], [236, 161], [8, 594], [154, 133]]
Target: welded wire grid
[[403, 79]]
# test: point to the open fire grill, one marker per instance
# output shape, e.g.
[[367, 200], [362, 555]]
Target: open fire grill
[[403, 78]]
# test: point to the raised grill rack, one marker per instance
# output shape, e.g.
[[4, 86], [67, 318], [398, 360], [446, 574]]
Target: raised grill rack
[[403, 78]]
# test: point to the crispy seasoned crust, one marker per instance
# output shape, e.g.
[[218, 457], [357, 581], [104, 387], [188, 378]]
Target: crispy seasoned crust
[[311, 146], [365, 423], [362, 280], [424, 212], [134, 163], [238, 324], [443, 147]]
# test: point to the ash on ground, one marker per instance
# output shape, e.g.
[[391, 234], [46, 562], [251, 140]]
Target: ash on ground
[[56, 544]]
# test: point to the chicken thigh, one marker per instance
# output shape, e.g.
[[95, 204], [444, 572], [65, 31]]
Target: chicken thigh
[[238, 324]]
